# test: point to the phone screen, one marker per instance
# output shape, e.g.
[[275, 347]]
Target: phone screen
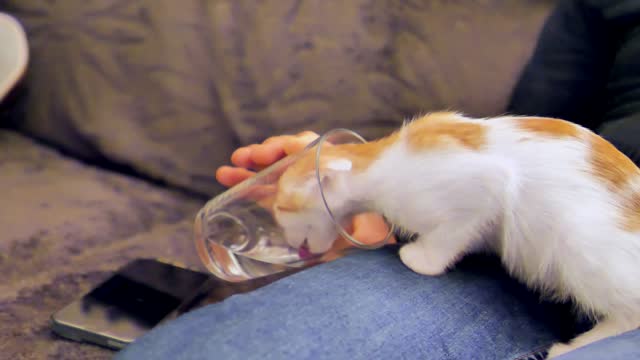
[[129, 303]]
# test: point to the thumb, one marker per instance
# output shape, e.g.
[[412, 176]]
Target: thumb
[[299, 142], [370, 228]]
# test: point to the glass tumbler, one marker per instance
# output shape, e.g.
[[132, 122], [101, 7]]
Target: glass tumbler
[[253, 230]]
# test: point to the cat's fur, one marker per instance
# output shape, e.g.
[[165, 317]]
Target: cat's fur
[[557, 203]]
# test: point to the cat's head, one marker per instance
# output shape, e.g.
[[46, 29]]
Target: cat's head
[[299, 207]]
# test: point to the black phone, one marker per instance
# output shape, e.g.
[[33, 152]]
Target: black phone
[[136, 298]]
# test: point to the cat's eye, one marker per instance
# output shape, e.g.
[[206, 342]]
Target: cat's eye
[[286, 208]]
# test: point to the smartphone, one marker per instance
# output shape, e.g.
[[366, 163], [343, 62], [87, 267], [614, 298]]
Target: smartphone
[[136, 298]]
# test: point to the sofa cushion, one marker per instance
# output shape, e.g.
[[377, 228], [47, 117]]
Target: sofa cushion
[[67, 226], [171, 87]]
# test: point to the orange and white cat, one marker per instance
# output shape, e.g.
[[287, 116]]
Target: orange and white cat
[[557, 203]]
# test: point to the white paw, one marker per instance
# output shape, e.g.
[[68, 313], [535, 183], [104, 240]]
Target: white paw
[[414, 256], [559, 349]]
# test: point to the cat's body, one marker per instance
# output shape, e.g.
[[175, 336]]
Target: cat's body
[[557, 203]]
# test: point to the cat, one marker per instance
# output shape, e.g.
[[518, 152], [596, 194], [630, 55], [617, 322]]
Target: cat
[[557, 203]]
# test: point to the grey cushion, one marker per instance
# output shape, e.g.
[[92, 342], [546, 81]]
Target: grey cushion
[[65, 227], [171, 87]]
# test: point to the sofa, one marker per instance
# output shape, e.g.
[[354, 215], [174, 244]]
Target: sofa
[[110, 140]]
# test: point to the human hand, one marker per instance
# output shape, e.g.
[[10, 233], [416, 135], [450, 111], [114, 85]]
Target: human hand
[[249, 159], [366, 228]]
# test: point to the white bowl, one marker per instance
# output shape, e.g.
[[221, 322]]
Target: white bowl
[[14, 53]]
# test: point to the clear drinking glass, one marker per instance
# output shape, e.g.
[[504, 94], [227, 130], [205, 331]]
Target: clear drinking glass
[[240, 235]]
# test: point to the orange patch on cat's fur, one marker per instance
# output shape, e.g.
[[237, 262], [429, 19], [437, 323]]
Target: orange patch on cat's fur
[[442, 128], [548, 127], [631, 212], [360, 154], [617, 171], [610, 165]]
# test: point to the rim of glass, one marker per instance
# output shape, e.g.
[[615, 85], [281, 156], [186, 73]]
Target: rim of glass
[[341, 229]]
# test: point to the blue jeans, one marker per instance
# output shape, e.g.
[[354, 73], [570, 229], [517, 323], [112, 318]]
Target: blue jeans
[[368, 305]]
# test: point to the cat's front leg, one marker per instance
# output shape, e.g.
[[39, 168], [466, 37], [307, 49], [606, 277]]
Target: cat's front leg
[[458, 206], [432, 254], [417, 258]]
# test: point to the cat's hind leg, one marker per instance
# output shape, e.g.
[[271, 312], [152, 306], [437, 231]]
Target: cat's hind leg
[[603, 329]]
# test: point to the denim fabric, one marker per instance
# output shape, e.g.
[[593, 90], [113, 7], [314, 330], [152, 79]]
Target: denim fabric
[[623, 347], [368, 306]]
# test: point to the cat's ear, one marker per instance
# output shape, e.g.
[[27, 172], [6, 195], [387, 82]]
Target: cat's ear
[[333, 171], [339, 165]]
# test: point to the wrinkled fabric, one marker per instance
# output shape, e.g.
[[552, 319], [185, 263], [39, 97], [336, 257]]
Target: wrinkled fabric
[[369, 306], [621, 347], [66, 227], [170, 88]]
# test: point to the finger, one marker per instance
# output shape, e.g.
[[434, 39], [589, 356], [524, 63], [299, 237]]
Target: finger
[[242, 157], [258, 192], [307, 136], [369, 228], [289, 144], [275, 139], [337, 250], [294, 146], [230, 176], [259, 156], [277, 147], [266, 154]]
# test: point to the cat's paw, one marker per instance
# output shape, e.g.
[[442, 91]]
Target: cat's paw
[[416, 258], [559, 349]]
